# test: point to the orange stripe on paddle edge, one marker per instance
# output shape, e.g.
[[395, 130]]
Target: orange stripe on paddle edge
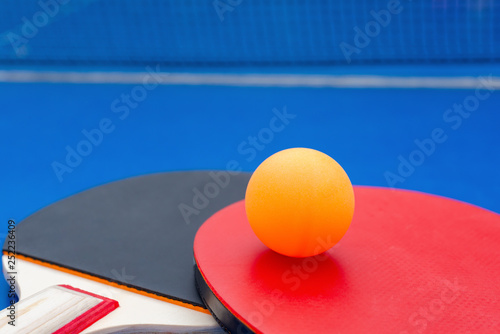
[[113, 284]]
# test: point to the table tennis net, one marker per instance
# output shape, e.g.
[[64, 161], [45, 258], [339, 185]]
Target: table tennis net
[[248, 32]]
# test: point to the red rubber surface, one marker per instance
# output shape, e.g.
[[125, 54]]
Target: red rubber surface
[[410, 263]]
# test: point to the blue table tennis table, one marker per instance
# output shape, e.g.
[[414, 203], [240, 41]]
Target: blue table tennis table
[[78, 111]]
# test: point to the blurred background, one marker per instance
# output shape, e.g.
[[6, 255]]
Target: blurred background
[[402, 94]]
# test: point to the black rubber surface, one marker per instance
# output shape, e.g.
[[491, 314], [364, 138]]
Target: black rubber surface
[[132, 231]]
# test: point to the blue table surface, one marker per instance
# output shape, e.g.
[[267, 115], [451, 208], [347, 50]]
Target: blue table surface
[[368, 131]]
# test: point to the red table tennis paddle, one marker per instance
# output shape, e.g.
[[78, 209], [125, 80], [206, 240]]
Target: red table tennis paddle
[[410, 263]]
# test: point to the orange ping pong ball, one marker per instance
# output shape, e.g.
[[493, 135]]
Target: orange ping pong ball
[[299, 202]]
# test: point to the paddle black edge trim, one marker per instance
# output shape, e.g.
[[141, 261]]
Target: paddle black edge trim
[[227, 320]]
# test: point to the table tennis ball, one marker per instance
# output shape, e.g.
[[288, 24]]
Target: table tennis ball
[[299, 202]]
